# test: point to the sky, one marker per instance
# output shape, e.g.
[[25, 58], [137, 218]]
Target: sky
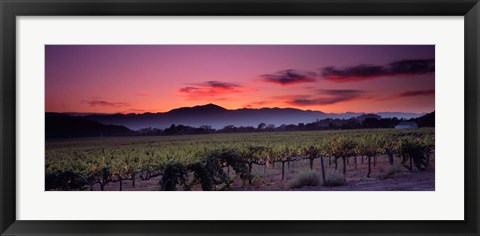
[[159, 78]]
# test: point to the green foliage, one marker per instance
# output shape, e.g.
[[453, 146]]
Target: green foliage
[[66, 180], [231, 157], [312, 152], [415, 149], [341, 146], [189, 160], [208, 173], [173, 174], [369, 145]]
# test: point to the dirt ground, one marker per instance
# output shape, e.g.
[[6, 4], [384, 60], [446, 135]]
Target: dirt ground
[[407, 181], [269, 179]]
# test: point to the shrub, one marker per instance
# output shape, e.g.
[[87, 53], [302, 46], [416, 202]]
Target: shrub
[[334, 178], [308, 178], [392, 170]]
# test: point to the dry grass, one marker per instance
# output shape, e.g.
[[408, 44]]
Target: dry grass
[[389, 171], [306, 178], [334, 178]]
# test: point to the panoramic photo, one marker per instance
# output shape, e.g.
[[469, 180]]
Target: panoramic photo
[[240, 118]]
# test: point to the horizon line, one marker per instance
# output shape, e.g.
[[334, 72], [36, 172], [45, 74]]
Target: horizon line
[[147, 112]]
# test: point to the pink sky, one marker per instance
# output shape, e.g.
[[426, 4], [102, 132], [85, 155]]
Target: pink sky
[[158, 78]]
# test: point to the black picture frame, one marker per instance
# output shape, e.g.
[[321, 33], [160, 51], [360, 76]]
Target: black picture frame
[[470, 9]]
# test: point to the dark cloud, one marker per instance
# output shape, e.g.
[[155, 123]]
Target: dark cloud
[[289, 77], [412, 67], [102, 103], [413, 93], [210, 89], [326, 97], [257, 104], [218, 84], [368, 72], [355, 73], [341, 92], [406, 94], [188, 89]]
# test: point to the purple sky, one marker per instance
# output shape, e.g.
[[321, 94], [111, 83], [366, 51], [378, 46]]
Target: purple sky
[[157, 78]]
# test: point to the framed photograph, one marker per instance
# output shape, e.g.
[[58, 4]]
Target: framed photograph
[[257, 117]]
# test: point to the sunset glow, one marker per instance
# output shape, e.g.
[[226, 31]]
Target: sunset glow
[[158, 78]]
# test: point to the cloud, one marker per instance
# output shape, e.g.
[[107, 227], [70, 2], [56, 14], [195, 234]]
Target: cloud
[[412, 67], [414, 93], [369, 72], [289, 77], [257, 104], [210, 89], [102, 103], [406, 94], [341, 92], [219, 85], [188, 89], [319, 97], [356, 73], [325, 97]]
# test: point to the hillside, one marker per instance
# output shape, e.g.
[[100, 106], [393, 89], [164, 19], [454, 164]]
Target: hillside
[[59, 125], [218, 117]]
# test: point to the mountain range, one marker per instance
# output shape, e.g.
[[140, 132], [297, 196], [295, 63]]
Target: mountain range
[[218, 117]]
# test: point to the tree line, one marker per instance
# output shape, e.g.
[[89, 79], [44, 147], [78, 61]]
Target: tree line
[[366, 122]]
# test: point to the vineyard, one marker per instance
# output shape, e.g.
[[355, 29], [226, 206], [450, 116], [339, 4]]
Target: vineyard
[[223, 161]]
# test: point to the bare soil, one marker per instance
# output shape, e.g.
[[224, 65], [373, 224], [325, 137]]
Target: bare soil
[[407, 181], [270, 179]]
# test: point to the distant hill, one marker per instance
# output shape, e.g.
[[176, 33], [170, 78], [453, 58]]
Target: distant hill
[[218, 117], [58, 125], [399, 115], [361, 118]]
